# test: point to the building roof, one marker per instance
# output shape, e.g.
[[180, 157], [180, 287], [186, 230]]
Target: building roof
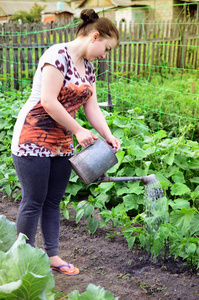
[[113, 3], [193, 1], [8, 7]]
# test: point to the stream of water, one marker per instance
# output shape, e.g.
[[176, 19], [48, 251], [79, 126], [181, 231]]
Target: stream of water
[[156, 205]]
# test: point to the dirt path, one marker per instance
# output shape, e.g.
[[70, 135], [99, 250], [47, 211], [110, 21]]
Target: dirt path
[[130, 274]]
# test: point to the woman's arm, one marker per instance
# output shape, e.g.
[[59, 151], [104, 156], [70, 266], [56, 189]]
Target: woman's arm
[[97, 120], [52, 81]]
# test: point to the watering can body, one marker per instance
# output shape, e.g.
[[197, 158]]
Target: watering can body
[[93, 161]]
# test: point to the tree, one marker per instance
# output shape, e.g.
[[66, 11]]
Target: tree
[[34, 16]]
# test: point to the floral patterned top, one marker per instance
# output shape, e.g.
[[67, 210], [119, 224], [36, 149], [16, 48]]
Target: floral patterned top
[[35, 132]]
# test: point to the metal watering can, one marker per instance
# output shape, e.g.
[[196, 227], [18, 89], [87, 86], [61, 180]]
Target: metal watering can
[[93, 161]]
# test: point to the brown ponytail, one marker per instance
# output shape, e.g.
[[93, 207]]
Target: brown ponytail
[[92, 22]]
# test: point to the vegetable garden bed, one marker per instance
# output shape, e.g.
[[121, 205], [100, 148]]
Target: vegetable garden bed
[[128, 274]]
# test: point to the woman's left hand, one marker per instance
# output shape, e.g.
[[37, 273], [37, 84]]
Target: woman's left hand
[[112, 141]]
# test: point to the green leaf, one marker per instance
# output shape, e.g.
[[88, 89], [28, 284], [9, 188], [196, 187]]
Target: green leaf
[[178, 177], [81, 204], [171, 170], [131, 241], [88, 210], [122, 191], [181, 162], [191, 249], [157, 246], [194, 179], [194, 226], [138, 152], [135, 188], [182, 218], [179, 203], [101, 199], [92, 293], [169, 157], [73, 189], [162, 178], [66, 214], [92, 225], [194, 164], [79, 214], [179, 189], [130, 202], [8, 190], [7, 233], [160, 134], [106, 186]]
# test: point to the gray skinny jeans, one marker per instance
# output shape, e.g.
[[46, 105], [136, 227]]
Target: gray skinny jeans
[[43, 182]]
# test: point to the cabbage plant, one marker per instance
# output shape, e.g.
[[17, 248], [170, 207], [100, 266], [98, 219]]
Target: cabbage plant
[[24, 271]]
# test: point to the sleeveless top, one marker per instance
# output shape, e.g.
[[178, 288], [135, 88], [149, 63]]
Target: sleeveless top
[[35, 132]]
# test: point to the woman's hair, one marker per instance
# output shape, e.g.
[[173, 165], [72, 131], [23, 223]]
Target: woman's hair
[[92, 22]]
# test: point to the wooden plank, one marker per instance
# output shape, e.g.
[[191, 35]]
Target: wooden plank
[[197, 44], [145, 33], [176, 48], [184, 47], [15, 57], [120, 46], [72, 33], [7, 41], [165, 46], [158, 48], [148, 53], [54, 33], [129, 48], [135, 48], [29, 50], [36, 42], [124, 50], [60, 31], [48, 34], [115, 64], [66, 34], [41, 32], [139, 48], [170, 48], [1, 49], [152, 45], [22, 56]]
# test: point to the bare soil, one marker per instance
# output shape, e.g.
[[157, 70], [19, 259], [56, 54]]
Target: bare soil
[[128, 274]]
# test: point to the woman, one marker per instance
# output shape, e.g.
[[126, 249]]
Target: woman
[[42, 141]]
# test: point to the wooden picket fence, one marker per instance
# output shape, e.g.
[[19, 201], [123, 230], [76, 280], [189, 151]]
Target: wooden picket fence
[[144, 47], [156, 46]]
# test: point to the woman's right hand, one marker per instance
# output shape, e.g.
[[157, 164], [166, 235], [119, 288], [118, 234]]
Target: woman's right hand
[[85, 137]]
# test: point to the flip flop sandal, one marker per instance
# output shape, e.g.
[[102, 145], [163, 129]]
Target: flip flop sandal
[[75, 272]]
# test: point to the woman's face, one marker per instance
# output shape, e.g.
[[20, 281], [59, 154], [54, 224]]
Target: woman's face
[[99, 47]]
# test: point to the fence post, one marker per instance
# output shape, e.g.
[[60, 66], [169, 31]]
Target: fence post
[[102, 69]]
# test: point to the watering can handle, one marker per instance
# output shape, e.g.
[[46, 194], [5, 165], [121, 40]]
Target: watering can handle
[[75, 150]]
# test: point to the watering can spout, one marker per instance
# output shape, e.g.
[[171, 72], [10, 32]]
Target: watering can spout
[[148, 179], [145, 179]]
